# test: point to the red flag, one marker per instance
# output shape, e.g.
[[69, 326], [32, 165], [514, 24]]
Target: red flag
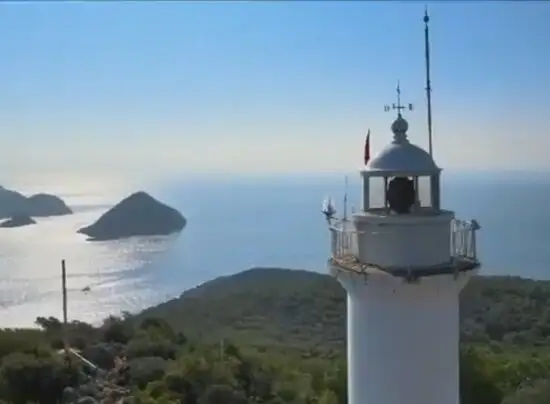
[[367, 148]]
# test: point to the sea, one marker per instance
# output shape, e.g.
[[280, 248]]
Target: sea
[[235, 223]]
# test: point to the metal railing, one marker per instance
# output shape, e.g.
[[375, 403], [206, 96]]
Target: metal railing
[[463, 239], [343, 239]]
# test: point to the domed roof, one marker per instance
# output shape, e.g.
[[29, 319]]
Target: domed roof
[[401, 156]]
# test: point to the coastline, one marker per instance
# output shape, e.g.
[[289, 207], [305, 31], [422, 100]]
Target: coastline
[[486, 280]]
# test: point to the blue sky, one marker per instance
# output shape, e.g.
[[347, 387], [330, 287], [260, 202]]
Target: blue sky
[[124, 89]]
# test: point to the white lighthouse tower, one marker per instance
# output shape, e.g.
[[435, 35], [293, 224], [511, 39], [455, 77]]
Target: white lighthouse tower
[[403, 263]]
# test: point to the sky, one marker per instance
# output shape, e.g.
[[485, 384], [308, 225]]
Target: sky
[[134, 90]]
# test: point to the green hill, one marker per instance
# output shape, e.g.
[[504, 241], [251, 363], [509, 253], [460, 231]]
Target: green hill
[[295, 320], [270, 307]]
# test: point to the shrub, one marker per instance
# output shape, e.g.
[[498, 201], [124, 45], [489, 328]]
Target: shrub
[[158, 328], [217, 394], [23, 341], [145, 347], [102, 355], [538, 393], [115, 329], [145, 370], [476, 380], [36, 379]]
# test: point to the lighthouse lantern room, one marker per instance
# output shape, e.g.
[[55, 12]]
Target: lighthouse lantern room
[[403, 263]]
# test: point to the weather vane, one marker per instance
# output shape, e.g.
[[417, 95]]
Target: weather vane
[[398, 106]]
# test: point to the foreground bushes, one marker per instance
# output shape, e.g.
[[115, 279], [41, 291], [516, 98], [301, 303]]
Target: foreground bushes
[[166, 368], [35, 378]]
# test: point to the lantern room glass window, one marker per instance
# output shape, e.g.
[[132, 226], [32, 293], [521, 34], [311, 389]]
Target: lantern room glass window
[[426, 189]]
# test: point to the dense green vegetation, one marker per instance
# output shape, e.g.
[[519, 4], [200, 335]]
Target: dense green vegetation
[[269, 336], [305, 309]]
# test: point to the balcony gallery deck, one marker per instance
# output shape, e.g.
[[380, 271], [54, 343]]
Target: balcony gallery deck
[[462, 257]]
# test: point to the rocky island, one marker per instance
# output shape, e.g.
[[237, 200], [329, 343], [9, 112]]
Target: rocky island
[[17, 221], [137, 215], [13, 203]]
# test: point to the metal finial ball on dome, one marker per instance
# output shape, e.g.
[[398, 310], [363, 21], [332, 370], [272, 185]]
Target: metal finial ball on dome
[[400, 125]]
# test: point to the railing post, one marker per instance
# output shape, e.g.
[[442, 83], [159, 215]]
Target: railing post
[[463, 239], [474, 247], [452, 239], [343, 242], [456, 234], [464, 233], [469, 236], [457, 237], [334, 242]]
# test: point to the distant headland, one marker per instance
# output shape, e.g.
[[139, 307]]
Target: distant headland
[[16, 205], [17, 221], [137, 215]]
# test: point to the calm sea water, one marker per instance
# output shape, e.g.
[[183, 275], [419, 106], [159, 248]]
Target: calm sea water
[[233, 225]]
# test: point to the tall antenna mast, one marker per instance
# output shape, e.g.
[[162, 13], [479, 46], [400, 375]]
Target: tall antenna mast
[[428, 82]]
